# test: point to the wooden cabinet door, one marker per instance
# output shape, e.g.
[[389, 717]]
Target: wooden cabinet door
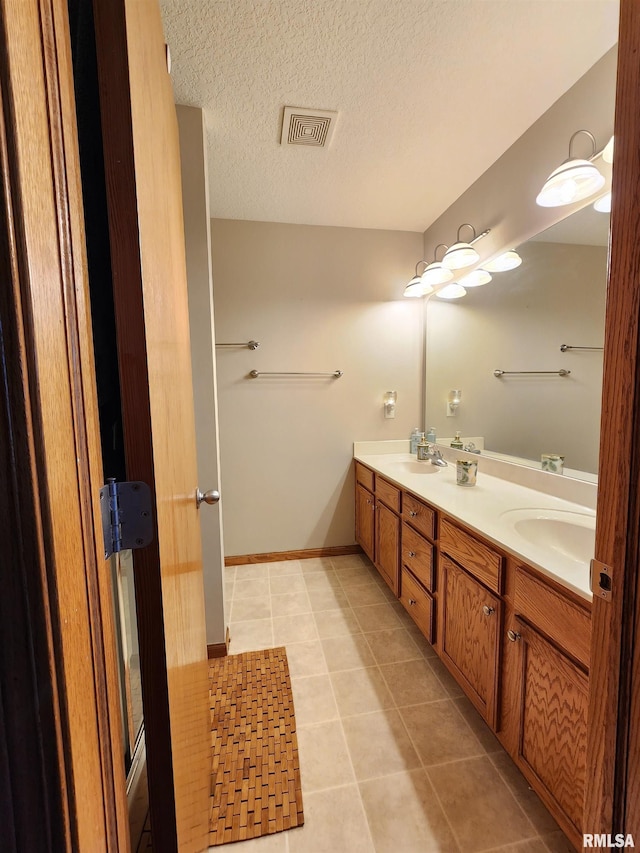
[[470, 620], [144, 194], [387, 545], [554, 700], [365, 513]]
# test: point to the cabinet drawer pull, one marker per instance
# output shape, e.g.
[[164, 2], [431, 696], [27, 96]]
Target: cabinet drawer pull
[[412, 513], [488, 610], [412, 553], [412, 601], [513, 636]]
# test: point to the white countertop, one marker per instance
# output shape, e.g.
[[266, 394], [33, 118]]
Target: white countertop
[[487, 509]]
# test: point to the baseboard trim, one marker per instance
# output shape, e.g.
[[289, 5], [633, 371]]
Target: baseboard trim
[[216, 650], [306, 554]]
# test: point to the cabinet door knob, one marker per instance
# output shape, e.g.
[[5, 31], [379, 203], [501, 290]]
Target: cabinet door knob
[[412, 513], [412, 553], [210, 497], [412, 601], [488, 610], [513, 636]]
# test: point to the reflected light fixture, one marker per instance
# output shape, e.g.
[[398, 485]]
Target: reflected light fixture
[[603, 205], [417, 287], [461, 254], [506, 261], [573, 180], [451, 291], [475, 278], [453, 401], [436, 272], [607, 153]]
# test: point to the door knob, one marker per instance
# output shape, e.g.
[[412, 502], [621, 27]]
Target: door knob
[[212, 496]]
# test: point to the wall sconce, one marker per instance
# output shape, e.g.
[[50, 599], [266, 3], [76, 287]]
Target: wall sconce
[[453, 401], [417, 286], [462, 254], [389, 403], [573, 180]]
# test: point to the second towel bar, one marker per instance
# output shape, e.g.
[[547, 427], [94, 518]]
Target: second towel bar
[[500, 373], [254, 374]]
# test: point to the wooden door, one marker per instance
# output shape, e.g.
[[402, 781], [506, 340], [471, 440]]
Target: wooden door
[[365, 508], [469, 636], [142, 165], [387, 544], [554, 698], [63, 785]]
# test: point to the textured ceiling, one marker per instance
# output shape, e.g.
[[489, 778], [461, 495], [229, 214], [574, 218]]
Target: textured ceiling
[[429, 92]]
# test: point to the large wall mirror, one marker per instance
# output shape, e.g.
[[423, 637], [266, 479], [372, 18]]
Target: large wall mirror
[[518, 324]]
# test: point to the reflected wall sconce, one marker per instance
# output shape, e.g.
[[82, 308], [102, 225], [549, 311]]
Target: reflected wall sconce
[[451, 291], [389, 403], [475, 278], [506, 261], [603, 204], [573, 180], [417, 286], [453, 402]]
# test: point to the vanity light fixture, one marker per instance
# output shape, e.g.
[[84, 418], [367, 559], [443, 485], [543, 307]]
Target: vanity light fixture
[[453, 401], [603, 205], [436, 272], [417, 286], [389, 403], [475, 278], [573, 180], [506, 261], [451, 291], [462, 254]]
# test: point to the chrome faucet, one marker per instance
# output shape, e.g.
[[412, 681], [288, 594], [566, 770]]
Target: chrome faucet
[[435, 457]]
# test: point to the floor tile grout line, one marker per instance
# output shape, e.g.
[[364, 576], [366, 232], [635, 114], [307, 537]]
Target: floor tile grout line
[[351, 764]]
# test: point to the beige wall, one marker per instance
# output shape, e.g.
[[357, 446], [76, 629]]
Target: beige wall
[[197, 243], [557, 296], [317, 299]]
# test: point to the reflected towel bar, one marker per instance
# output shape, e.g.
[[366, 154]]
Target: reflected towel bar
[[254, 374], [565, 347], [500, 373], [249, 344]]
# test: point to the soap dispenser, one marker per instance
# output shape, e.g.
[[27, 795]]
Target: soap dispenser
[[431, 435], [457, 442], [423, 449], [414, 439]]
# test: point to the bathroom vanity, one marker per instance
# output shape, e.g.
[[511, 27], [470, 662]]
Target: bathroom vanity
[[496, 577]]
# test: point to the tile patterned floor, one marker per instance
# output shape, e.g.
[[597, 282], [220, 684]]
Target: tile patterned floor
[[393, 756]]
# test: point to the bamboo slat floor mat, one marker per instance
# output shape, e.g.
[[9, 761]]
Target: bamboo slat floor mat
[[255, 778]]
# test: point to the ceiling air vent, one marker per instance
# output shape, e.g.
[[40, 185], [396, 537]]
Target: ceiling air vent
[[307, 127]]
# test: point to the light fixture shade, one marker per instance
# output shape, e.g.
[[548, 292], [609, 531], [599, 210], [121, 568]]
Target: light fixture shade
[[607, 154], [436, 273], [459, 256], [506, 261], [417, 288], [603, 205], [475, 278], [572, 181], [452, 291]]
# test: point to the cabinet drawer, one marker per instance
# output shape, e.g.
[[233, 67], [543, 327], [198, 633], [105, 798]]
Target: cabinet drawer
[[422, 517], [474, 556], [417, 555], [418, 604], [364, 476], [554, 614], [388, 494]]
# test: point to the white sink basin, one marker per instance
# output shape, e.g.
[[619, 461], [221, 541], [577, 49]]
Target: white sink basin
[[414, 467], [570, 534]]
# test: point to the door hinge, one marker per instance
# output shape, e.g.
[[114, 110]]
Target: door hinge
[[601, 580], [126, 516]]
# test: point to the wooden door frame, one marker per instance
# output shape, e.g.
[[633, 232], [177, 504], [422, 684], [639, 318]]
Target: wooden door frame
[[614, 643], [49, 437]]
